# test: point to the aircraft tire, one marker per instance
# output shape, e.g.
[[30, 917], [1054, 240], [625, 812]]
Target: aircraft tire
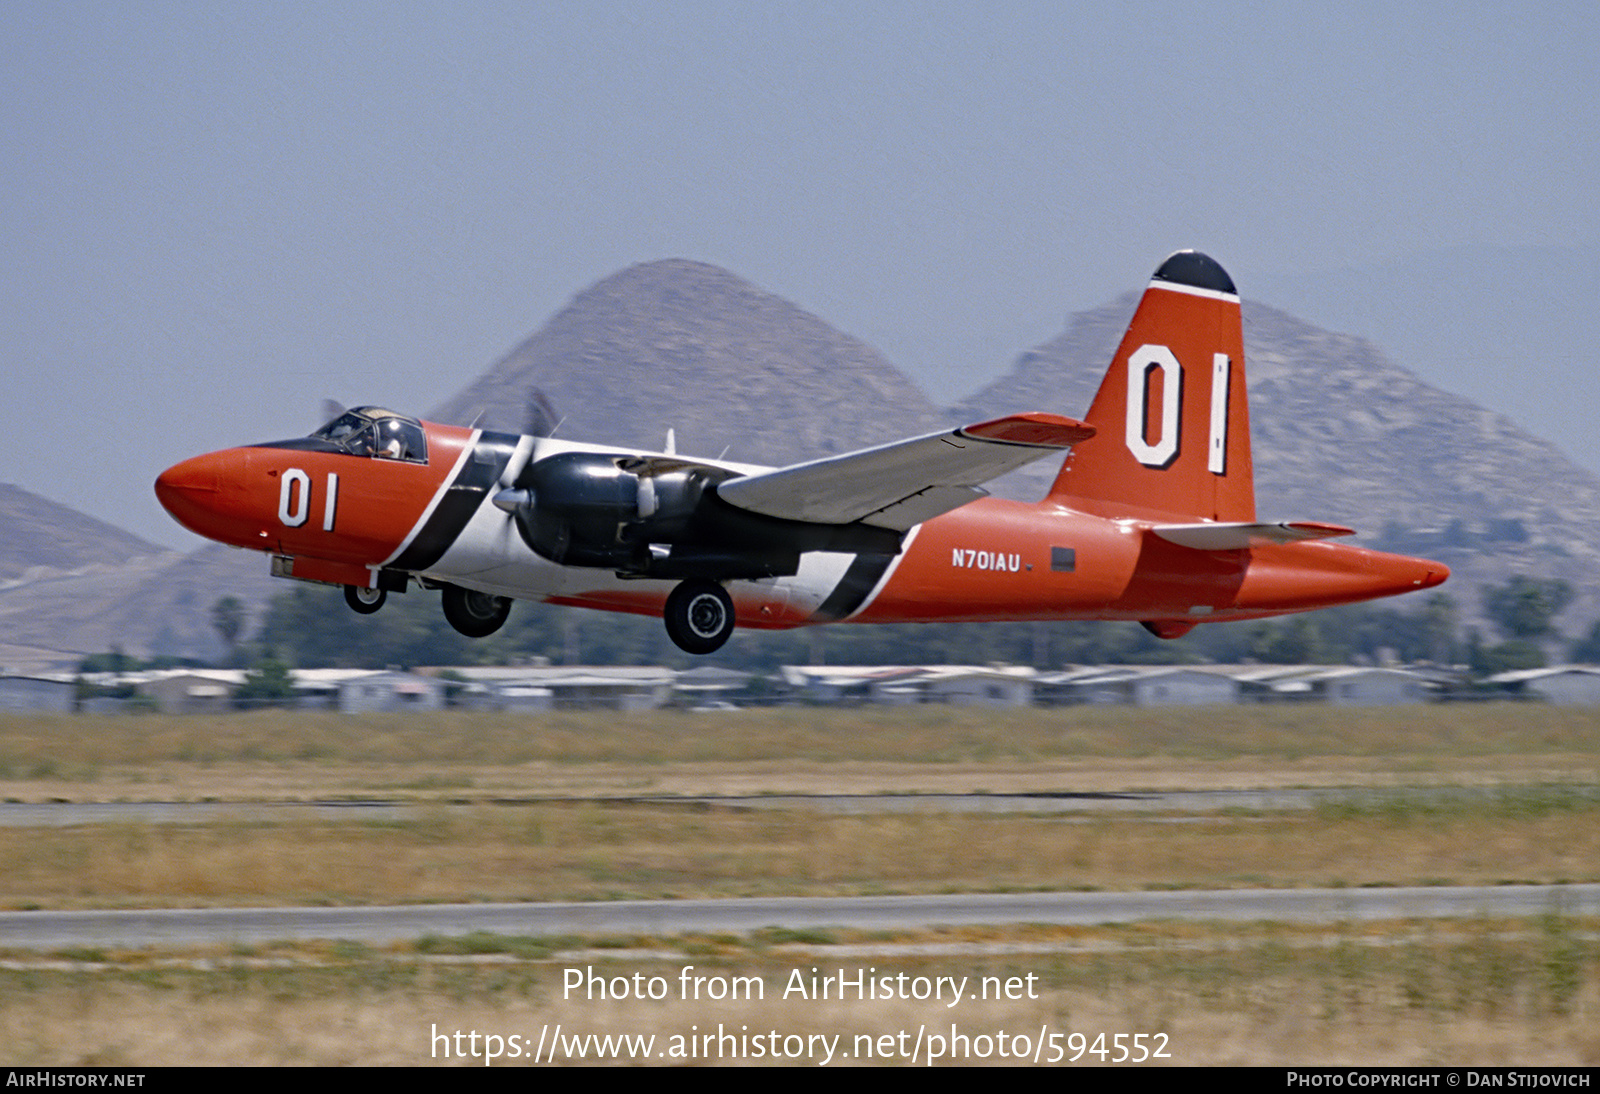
[[699, 616], [474, 614], [365, 601]]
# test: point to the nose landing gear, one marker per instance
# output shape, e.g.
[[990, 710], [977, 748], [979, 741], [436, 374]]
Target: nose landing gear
[[365, 601]]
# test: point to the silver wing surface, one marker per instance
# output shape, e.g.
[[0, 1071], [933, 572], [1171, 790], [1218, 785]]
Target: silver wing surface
[[901, 484]]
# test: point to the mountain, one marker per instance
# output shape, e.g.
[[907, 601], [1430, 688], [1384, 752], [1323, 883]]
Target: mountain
[[72, 585], [691, 347], [44, 536], [1342, 433], [147, 605], [1509, 327]]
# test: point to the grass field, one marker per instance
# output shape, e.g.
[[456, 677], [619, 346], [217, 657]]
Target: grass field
[[1462, 993], [510, 809], [85, 746], [598, 851]]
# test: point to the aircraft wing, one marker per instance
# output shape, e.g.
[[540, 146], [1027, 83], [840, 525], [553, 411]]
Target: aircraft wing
[[907, 482], [1212, 536]]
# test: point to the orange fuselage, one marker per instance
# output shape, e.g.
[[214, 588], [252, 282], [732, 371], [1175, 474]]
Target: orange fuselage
[[343, 518]]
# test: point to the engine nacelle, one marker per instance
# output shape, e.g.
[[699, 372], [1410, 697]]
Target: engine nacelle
[[596, 509], [660, 517]]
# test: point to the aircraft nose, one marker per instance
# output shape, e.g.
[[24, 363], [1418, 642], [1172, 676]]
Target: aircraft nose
[[205, 495], [186, 484]]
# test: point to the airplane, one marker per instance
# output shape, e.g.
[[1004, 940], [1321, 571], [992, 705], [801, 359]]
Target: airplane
[[1151, 517]]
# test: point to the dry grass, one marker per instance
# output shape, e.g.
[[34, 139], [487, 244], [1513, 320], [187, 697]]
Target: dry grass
[[1472, 993], [922, 734], [597, 851], [454, 756], [1536, 826]]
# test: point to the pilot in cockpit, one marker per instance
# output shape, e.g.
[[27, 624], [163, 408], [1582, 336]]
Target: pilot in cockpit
[[391, 444], [372, 432]]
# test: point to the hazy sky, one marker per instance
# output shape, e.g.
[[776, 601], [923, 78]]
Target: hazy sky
[[216, 215]]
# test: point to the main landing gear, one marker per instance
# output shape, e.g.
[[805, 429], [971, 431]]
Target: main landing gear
[[699, 613], [699, 616], [474, 614]]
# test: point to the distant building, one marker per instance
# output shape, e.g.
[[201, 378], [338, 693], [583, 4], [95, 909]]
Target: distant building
[[710, 685], [513, 697], [191, 691], [1143, 685], [1195, 685], [567, 687], [390, 692], [322, 689], [1349, 685], [52, 693], [1564, 685], [907, 685], [969, 686], [536, 689]]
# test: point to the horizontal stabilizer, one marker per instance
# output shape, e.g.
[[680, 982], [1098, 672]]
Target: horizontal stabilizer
[[907, 482], [1211, 536]]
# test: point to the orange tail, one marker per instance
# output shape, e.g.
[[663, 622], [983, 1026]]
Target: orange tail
[[1172, 416]]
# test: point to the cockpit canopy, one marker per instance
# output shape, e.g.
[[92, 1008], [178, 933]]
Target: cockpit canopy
[[373, 431]]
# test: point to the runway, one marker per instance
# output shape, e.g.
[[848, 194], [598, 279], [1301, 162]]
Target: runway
[[47, 930]]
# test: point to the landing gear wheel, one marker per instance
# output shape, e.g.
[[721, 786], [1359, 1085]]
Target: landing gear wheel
[[699, 616], [474, 614], [365, 601]]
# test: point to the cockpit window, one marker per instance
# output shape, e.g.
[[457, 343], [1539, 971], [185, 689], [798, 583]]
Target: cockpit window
[[381, 434]]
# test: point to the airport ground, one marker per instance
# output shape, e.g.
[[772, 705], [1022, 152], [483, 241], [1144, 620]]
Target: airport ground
[[498, 808]]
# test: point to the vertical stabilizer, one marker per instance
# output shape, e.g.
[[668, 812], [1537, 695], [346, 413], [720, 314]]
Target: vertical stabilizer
[[1172, 418]]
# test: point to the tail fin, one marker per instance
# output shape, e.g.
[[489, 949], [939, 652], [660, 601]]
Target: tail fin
[[1172, 416]]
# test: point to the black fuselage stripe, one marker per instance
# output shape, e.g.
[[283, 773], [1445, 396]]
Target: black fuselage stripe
[[862, 576], [478, 474]]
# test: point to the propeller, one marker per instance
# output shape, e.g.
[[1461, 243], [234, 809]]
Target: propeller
[[543, 421]]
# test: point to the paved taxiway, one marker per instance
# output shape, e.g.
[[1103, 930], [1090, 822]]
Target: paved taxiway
[[1162, 802], [46, 930]]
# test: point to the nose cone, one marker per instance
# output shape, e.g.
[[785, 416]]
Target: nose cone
[[206, 495], [192, 482]]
